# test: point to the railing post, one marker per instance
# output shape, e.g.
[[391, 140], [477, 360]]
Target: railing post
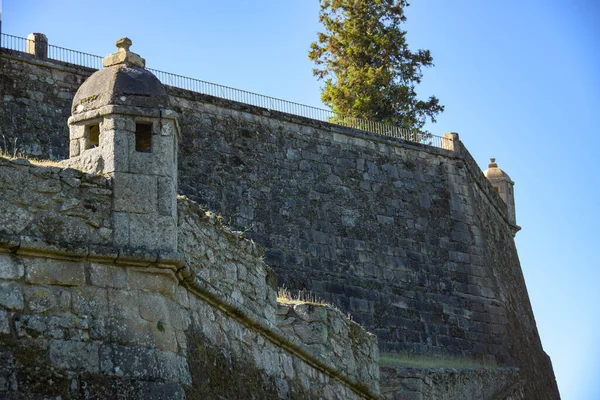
[[37, 45], [450, 141]]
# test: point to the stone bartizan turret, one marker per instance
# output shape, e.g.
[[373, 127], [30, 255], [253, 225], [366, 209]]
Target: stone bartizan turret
[[121, 126], [505, 188]]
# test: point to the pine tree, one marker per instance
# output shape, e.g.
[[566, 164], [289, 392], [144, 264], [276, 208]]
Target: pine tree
[[368, 69]]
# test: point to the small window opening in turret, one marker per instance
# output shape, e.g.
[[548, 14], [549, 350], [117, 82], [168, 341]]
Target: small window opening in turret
[[496, 189], [92, 133], [143, 137]]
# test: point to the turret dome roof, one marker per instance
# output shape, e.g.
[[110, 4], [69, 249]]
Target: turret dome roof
[[122, 81], [495, 173]]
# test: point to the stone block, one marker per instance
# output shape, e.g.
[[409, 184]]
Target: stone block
[[4, 322], [74, 148], [115, 150], [160, 162], [155, 232], [30, 325], [120, 223], [106, 275], [161, 391], [163, 336], [153, 307], [74, 356], [67, 327], [167, 197], [135, 193], [310, 312], [178, 317], [131, 331], [40, 299], [118, 123], [54, 272], [182, 296], [311, 333], [10, 268], [129, 362], [153, 279], [168, 128], [123, 303], [76, 132], [11, 296], [173, 367], [90, 301]]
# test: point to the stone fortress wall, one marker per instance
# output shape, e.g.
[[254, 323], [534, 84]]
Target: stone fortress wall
[[81, 318], [411, 240]]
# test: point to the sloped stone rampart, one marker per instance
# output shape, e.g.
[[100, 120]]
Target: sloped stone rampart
[[228, 272]]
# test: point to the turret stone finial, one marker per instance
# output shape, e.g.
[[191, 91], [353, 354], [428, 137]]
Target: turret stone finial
[[124, 44], [493, 163], [124, 56]]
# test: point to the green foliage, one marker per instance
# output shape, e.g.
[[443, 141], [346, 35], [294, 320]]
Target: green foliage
[[368, 69], [429, 361]]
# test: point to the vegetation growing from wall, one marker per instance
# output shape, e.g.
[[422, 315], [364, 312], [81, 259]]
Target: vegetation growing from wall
[[424, 361]]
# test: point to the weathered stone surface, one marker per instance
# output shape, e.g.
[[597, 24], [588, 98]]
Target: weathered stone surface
[[4, 322], [108, 276], [90, 301], [74, 356], [135, 193], [54, 272], [156, 232], [11, 296], [53, 204], [129, 362], [311, 312], [10, 268], [314, 333], [40, 299], [152, 279], [123, 303], [331, 335], [203, 239]]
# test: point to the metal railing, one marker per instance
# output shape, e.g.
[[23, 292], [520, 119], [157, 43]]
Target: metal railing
[[57, 53], [74, 57], [13, 42], [79, 58]]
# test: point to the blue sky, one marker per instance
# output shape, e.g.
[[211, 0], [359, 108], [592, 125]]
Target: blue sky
[[520, 82]]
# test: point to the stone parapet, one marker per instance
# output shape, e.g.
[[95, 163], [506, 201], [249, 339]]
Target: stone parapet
[[331, 335], [54, 204]]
